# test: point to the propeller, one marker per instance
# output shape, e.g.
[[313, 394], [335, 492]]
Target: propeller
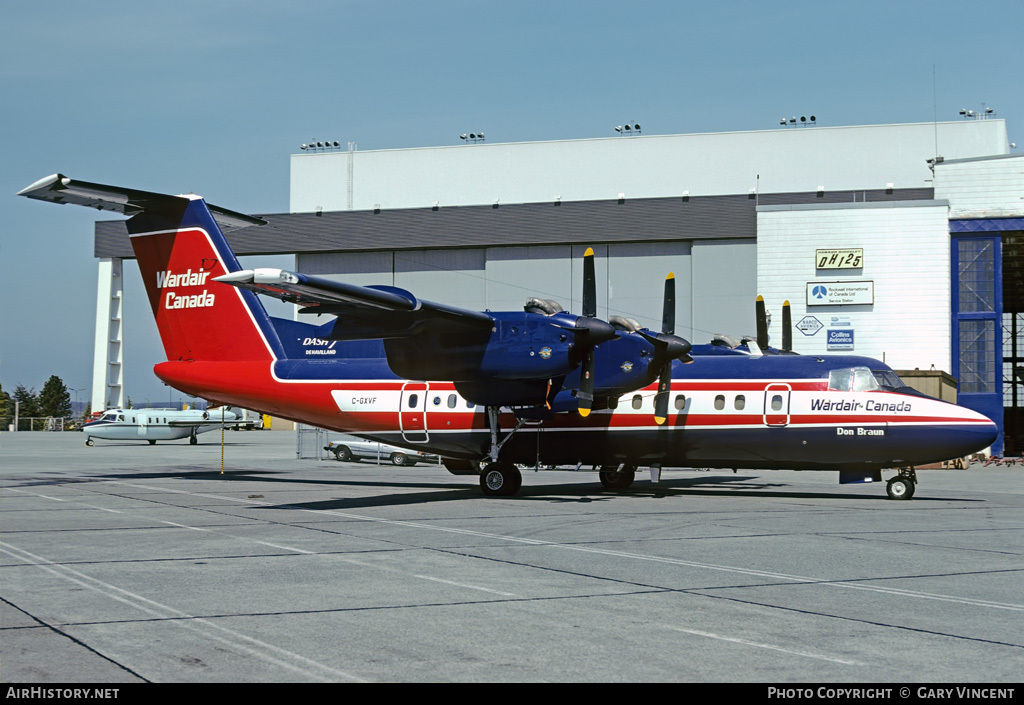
[[762, 326], [667, 347], [787, 327], [590, 331]]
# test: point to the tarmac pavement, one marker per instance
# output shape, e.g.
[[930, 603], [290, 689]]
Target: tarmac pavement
[[131, 563]]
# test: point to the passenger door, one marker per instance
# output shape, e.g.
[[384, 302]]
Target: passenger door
[[412, 414]]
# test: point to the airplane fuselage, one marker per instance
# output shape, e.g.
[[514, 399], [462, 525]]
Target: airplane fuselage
[[769, 412]]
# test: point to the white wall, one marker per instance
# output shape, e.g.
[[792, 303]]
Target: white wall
[[773, 161], [982, 188], [906, 255]]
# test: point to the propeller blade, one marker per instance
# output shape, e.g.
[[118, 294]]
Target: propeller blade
[[668, 318], [787, 327], [762, 324], [589, 285], [585, 395], [661, 398]]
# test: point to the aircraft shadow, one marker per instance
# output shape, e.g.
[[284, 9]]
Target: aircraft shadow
[[561, 493], [577, 493]]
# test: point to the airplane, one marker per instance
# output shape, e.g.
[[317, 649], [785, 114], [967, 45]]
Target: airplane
[[490, 390], [155, 424]]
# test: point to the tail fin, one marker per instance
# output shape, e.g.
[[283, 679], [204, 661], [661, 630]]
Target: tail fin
[[180, 250]]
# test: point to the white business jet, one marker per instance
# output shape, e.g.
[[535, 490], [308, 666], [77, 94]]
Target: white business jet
[[157, 424]]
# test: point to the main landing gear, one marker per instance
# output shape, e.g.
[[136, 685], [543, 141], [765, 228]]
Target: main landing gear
[[615, 477], [499, 478], [902, 486]]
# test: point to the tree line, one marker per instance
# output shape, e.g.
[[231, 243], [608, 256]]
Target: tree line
[[54, 400]]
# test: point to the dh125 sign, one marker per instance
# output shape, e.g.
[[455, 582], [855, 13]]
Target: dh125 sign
[[849, 258]]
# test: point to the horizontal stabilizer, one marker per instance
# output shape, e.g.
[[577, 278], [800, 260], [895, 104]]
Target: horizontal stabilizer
[[61, 190]]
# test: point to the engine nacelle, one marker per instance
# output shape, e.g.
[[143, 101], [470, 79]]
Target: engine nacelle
[[519, 346]]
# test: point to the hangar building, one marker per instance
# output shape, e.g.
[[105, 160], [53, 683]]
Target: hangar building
[[901, 242]]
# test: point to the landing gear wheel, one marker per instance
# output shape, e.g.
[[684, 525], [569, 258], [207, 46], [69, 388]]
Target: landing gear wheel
[[152, 442], [89, 442], [500, 480], [900, 487], [615, 478], [192, 440]]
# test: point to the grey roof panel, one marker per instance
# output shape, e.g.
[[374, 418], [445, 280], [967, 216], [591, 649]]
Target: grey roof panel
[[581, 222]]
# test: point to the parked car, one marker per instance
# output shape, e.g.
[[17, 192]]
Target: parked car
[[355, 449]]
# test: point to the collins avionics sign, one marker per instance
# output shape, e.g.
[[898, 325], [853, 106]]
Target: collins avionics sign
[[855, 293]]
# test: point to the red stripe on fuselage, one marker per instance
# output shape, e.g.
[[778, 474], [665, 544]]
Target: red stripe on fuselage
[[251, 385]]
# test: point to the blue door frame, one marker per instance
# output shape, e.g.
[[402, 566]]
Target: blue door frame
[[977, 298]]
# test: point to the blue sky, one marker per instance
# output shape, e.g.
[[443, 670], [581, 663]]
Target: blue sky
[[212, 97]]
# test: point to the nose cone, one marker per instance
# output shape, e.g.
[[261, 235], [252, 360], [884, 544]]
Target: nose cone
[[988, 431], [972, 432]]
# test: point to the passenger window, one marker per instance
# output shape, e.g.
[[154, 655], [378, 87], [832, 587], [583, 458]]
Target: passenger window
[[413, 398], [719, 402], [680, 402], [451, 401], [637, 401], [613, 403], [777, 402], [740, 402]]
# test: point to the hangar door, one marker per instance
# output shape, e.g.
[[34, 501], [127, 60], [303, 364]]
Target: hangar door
[[988, 323]]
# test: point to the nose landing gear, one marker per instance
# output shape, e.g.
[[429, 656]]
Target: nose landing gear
[[902, 486]]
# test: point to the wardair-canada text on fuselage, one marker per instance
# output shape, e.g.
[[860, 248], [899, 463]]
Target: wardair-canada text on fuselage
[[849, 405]]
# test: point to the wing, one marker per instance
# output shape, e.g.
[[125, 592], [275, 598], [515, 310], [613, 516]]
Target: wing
[[364, 312]]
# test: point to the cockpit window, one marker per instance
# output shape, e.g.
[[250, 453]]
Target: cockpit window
[[888, 380], [863, 380], [109, 417], [840, 380], [853, 379]]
